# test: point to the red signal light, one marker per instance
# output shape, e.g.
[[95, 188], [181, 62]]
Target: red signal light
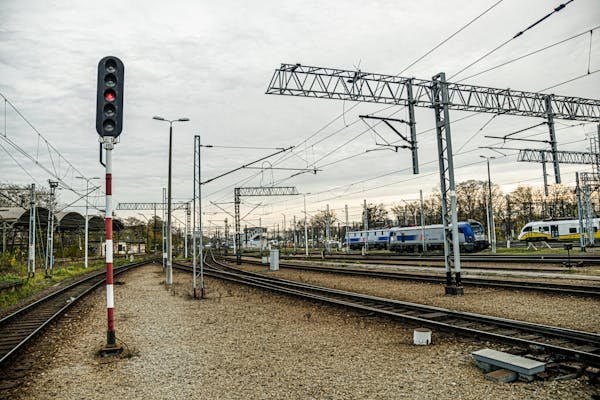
[[110, 95]]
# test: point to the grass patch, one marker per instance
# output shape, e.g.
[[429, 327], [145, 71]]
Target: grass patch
[[31, 286]]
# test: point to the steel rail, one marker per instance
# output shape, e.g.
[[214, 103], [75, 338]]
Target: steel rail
[[542, 259], [19, 327], [572, 344], [511, 284]]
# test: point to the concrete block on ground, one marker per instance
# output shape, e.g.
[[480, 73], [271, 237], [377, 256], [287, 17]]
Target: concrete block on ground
[[511, 362], [501, 376]]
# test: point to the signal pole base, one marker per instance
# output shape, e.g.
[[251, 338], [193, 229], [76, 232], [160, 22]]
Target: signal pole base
[[454, 290], [109, 350]]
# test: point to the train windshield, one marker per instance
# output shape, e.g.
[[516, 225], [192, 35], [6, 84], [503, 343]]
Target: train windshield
[[477, 228]]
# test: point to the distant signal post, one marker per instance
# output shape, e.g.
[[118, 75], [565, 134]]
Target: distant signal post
[[109, 124]]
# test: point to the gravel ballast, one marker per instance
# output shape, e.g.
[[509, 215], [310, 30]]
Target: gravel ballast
[[571, 312], [244, 343]]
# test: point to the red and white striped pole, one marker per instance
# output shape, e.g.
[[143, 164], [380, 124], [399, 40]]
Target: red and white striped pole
[[111, 342]]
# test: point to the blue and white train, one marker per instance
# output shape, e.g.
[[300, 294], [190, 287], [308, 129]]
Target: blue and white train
[[471, 237]]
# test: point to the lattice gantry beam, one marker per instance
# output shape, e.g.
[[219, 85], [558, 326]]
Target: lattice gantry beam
[[300, 80], [149, 206], [563, 157], [267, 191]]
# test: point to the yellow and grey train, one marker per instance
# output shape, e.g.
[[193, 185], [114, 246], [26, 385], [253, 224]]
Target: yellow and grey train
[[555, 230]]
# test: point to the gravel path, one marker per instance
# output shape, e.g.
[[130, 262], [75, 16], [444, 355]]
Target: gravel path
[[243, 343], [572, 312]]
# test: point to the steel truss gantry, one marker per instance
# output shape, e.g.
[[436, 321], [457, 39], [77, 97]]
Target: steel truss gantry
[[442, 96], [561, 157], [255, 191], [150, 206]]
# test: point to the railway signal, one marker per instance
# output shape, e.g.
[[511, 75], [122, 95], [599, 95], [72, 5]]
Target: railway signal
[[109, 97], [109, 124]]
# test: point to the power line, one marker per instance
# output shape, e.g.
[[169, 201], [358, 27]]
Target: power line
[[450, 37], [518, 34], [532, 53]]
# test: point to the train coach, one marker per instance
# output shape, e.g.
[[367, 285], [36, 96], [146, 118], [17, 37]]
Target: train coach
[[375, 238], [555, 230], [471, 237]]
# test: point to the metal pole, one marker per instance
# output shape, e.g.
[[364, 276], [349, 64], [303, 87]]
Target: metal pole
[[550, 116], [164, 231], [366, 224], [185, 232], [87, 193], [491, 210], [194, 231], [260, 236], [422, 222], [50, 244], [447, 184], [328, 231], [200, 221], [31, 254], [305, 228], [346, 237], [295, 237], [169, 274], [108, 221], [579, 213], [543, 154]]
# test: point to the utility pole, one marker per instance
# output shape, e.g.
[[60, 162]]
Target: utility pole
[[346, 238], [260, 236], [49, 267], [366, 225], [328, 231], [164, 231], [197, 147], [31, 248], [582, 241], [305, 228], [295, 237], [423, 243], [169, 272], [87, 202], [489, 204]]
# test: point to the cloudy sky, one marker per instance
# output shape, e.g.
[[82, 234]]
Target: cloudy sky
[[212, 61]]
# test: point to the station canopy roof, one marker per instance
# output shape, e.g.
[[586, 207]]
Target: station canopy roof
[[18, 218]]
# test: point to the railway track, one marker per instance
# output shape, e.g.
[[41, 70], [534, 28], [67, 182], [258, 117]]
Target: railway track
[[557, 343], [509, 259], [510, 284], [18, 328]]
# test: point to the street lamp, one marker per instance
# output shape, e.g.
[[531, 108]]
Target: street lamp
[[87, 185], [146, 229], [491, 225], [169, 272]]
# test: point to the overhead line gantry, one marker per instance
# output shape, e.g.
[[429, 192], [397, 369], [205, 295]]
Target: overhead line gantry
[[442, 96]]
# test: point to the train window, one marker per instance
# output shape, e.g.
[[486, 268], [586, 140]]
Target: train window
[[527, 229], [545, 228], [572, 230]]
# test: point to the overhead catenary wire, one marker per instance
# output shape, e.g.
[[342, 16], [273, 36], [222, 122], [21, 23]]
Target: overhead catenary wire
[[532, 53], [518, 34]]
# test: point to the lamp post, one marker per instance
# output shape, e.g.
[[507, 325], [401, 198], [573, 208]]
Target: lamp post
[[169, 271], [146, 229], [492, 226], [87, 193]]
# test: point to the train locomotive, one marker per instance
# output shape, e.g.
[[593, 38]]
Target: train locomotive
[[471, 237], [555, 230]]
